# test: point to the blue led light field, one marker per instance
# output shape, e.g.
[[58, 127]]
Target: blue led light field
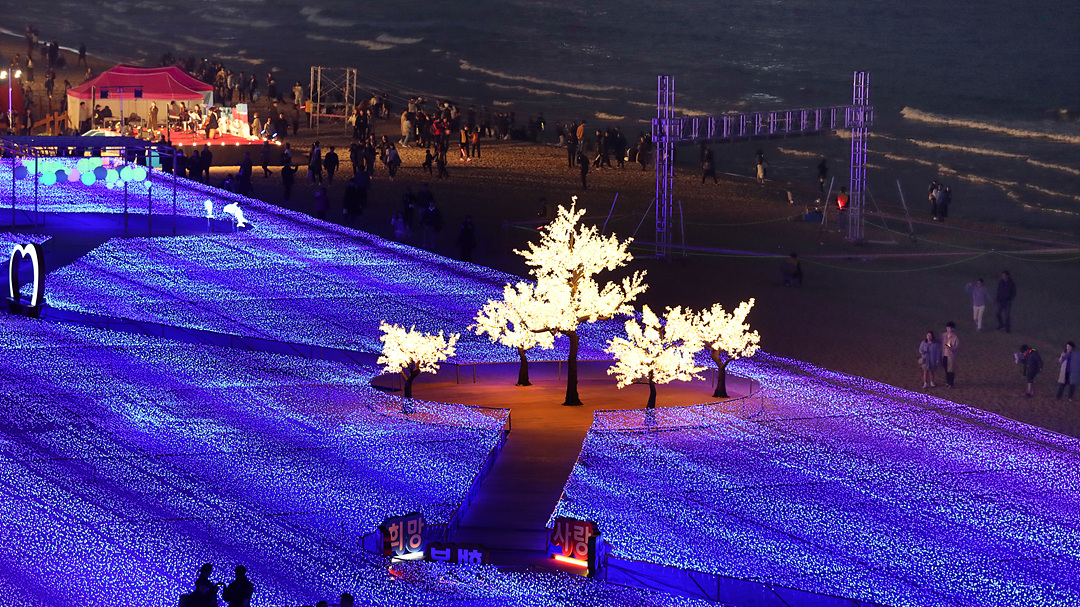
[[292, 279], [126, 461], [840, 486]]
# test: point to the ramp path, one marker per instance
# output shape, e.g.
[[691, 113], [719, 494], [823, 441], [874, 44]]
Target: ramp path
[[510, 513]]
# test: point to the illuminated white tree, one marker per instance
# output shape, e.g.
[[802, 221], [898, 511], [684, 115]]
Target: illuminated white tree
[[516, 321], [728, 337], [565, 264], [412, 352], [656, 352]]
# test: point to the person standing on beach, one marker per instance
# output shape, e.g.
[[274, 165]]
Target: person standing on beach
[[264, 157], [315, 163], [1031, 363], [571, 145], [1070, 370], [929, 358], [330, 163], [980, 296], [288, 178], [583, 162], [950, 344], [431, 221], [440, 163], [708, 164], [474, 149], [82, 56], [466, 241], [822, 174], [1006, 293]]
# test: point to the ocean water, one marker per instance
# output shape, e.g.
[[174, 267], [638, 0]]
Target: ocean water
[[982, 95]]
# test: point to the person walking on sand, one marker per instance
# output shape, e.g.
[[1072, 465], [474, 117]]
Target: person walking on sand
[[315, 164], [1070, 370], [708, 164], [288, 178], [1003, 300], [265, 159], [929, 358], [950, 344], [1031, 363], [583, 162], [980, 296], [330, 163]]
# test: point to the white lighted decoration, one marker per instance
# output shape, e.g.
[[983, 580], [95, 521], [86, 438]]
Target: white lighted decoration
[[209, 206], [37, 258], [565, 264], [517, 321], [727, 337], [411, 352], [238, 214], [656, 352]]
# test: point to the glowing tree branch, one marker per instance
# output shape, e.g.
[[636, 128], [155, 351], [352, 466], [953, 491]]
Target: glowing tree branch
[[656, 352], [412, 352], [516, 321], [565, 263], [727, 336]]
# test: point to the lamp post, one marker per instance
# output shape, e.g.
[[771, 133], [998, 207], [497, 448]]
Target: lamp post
[[5, 75]]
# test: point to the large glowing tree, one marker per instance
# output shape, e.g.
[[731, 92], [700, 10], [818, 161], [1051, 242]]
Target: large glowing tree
[[728, 337], [516, 321], [656, 352], [412, 352], [565, 264]]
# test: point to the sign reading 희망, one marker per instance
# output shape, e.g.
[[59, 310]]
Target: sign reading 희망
[[403, 535]]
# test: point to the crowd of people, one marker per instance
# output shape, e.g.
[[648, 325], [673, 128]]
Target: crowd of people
[[939, 352]]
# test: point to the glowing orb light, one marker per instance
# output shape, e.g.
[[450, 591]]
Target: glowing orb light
[[89, 178], [74, 176], [100, 172], [21, 172], [112, 176]]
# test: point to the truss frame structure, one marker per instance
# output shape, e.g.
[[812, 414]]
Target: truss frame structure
[[669, 130], [327, 83]]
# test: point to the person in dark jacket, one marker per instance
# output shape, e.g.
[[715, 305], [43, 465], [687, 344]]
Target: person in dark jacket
[[1031, 361], [466, 241], [288, 178], [1006, 293]]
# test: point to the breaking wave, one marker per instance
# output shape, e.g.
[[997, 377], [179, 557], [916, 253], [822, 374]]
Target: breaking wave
[[926, 117]]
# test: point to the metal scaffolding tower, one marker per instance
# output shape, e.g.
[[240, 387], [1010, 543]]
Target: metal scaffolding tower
[[665, 164], [860, 114], [333, 94], [669, 131]]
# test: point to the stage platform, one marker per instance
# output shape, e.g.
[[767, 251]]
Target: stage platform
[[228, 150]]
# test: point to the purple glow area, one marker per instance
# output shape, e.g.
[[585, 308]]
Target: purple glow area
[[125, 462], [292, 279], [842, 486]]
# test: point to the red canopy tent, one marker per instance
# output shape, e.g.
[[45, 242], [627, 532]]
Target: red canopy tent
[[159, 84]]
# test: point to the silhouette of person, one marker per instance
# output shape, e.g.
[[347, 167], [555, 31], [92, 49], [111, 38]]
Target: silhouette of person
[[238, 592]]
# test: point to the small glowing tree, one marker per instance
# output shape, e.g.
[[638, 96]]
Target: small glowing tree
[[728, 337], [656, 352], [516, 321], [565, 264], [412, 352]]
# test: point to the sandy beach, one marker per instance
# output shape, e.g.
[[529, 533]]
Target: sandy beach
[[864, 307]]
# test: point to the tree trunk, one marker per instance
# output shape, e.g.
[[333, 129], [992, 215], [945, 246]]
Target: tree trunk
[[409, 377], [721, 376], [523, 370], [652, 395], [572, 399]]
